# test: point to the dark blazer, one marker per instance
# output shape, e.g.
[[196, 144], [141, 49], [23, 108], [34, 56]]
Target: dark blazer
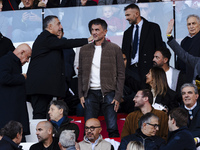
[[150, 39], [12, 92], [46, 73], [169, 100], [180, 139], [194, 126], [7, 144]]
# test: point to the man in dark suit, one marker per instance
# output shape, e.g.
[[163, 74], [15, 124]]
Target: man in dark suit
[[46, 72], [140, 41]]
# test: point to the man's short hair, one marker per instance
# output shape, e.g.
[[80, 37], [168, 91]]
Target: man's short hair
[[165, 52], [47, 20], [67, 138], [190, 85], [60, 104], [193, 15], [132, 6], [98, 21], [180, 115], [146, 118], [11, 129], [148, 93]]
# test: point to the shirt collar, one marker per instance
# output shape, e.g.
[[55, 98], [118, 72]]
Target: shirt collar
[[191, 107]]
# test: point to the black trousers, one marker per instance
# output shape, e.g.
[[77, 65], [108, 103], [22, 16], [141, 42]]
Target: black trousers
[[40, 104]]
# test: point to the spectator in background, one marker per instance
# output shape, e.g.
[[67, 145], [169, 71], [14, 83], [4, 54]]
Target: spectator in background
[[140, 41], [26, 24], [11, 4], [180, 137], [110, 2], [135, 145], [67, 140], [12, 136], [148, 126], [191, 45], [12, 87], [45, 75], [58, 113], [114, 23], [6, 45], [44, 132], [163, 97], [143, 100], [93, 139], [182, 54], [85, 3]]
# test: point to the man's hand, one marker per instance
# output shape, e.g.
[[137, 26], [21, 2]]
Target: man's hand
[[90, 39], [116, 104], [83, 2], [82, 101], [170, 26]]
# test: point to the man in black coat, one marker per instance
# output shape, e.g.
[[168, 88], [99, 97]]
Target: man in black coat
[[139, 54], [12, 87], [46, 72], [12, 136]]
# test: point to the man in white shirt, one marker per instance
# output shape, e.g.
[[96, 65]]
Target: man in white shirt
[[175, 78]]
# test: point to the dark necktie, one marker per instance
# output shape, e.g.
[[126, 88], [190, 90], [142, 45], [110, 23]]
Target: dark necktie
[[135, 42]]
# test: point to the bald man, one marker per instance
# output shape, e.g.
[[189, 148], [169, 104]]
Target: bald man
[[44, 132], [12, 87], [93, 139]]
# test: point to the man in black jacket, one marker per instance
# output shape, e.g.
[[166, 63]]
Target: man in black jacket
[[179, 136], [139, 48], [12, 136], [146, 133], [46, 76], [44, 132]]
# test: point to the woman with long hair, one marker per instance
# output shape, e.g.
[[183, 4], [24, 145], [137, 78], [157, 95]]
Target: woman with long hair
[[164, 98], [135, 145]]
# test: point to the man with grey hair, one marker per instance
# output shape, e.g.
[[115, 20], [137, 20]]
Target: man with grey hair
[[67, 140], [46, 72], [146, 133], [191, 45], [190, 97]]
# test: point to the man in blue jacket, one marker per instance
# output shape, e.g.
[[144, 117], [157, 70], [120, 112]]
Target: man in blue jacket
[[179, 137]]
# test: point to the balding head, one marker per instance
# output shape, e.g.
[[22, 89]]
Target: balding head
[[44, 131], [92, 129], [23, 52]]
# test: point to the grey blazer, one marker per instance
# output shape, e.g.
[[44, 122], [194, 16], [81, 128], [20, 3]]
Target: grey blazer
[[186, 57]]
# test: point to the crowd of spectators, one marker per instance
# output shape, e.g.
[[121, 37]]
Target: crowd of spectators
[[162, 102]]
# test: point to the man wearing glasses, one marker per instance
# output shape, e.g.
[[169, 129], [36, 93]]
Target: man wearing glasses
[[93, 139], [146, 133]]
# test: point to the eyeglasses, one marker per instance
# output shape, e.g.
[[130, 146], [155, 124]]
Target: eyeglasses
[[92, 128], [154, 125]]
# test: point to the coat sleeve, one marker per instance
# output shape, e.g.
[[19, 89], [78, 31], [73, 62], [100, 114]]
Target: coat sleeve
[[182, 54], [80, 93], [126, 128], [6, 75], [123, 144]]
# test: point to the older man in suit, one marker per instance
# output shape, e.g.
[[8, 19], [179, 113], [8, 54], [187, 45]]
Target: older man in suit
[[46, 72], [140, 41]]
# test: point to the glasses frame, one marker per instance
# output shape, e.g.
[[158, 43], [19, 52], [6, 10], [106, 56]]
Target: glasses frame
[[154, 125], [91, 128]]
